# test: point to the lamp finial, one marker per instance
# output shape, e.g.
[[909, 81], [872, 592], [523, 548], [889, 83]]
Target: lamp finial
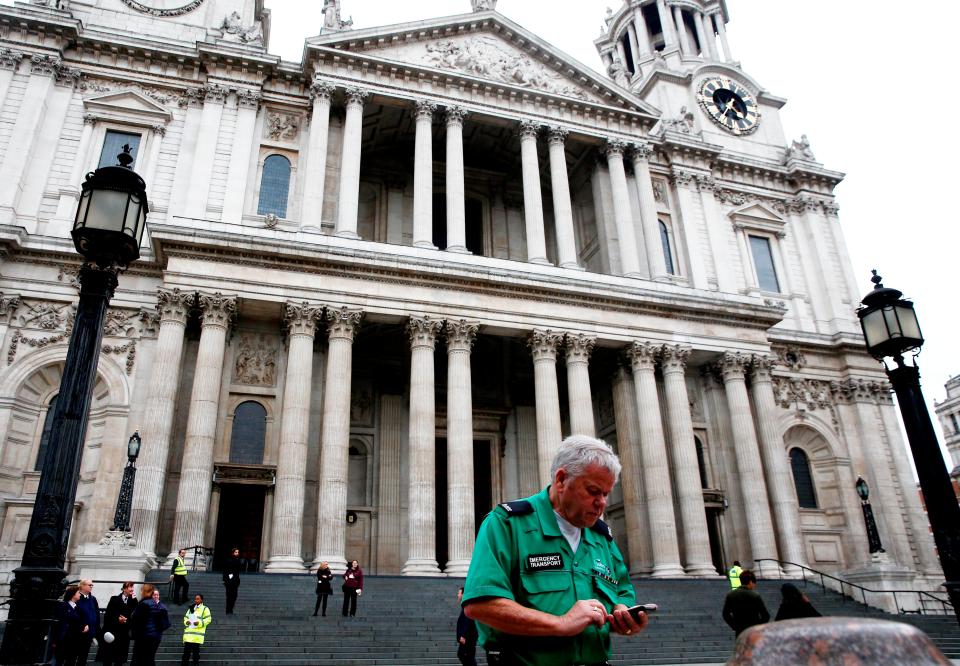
[[876, 280], [125, 158]]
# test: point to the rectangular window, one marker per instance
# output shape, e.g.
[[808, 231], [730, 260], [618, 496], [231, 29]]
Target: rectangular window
[[113, 144], [763, 262]]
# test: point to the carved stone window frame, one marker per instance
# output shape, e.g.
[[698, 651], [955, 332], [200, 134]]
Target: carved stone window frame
[[754, 219], [293, 199], [107, 112]]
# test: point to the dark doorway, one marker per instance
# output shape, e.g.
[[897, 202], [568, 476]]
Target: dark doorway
[[482, 492], [239, 525], [440, 220], [716, 544], [474, 225], [440, 458]]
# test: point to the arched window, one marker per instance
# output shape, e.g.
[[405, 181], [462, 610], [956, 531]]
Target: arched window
[[274, 186], [249, 433], [802, 479], [667, 252], [45, 435]]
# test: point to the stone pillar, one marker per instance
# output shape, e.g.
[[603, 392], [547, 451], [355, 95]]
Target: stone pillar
[[705, 51], [683, 37], [722, 32], [643, 35], [686, 471], [666, 24], [656, 471], [631, 483], [543, 346], [634, 48], [750, 465], [316, 168], [460, 521], [62, 221], [342, 325], [532, 197], [10, 60], [173, 306], [685, 183], [456, 198], [622, 214], [423, 176], [248, 103], [349, 198], [579, 348], [562, 208], [286, 538], [196, 472], [718, 231], [153, 157], [650, 223], [421, 463], [198, 190]]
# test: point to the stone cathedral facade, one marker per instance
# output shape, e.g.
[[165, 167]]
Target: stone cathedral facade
[[379, 287]]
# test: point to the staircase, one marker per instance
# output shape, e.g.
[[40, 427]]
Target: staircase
[[405, 621]]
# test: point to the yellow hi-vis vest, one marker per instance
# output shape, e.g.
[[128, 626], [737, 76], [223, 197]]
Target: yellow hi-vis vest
[[181, 568], [193, 633], [734, 576]]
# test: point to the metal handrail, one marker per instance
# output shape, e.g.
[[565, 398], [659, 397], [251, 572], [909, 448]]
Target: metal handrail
[[922, 595]]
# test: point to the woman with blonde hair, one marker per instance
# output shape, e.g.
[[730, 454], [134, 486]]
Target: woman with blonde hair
[[324, 589]]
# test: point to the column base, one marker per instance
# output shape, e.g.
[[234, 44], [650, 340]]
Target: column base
[[792, 571], [336, 563], [640, 570], [285, 564], [542, 261], [425, 245], [421, 568], [347, 234], [457, 568], [767, 570], [702, 571], [573, 266], [635, 275], [458, 249], [668, 571]]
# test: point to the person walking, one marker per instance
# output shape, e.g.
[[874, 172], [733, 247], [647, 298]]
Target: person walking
[[114, 644], [231, 579], [195, 623], [89, 610], [178, 573], [324, 588], [795, 604], [466, 636], [70, 629], [352, 587], [743, 606], [733, 574], [148, 622]]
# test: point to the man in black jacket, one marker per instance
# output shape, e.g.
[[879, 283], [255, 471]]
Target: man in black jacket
[[743, 607], [89, 611], [231, 579], [466, 637]]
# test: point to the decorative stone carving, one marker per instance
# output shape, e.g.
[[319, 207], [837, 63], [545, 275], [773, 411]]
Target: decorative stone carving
[[321, 90], [117, 323], [734, 364], [423, 331], [831, 208], [45, 64], [528, 129], [684, 178], [544, 343], [332, 21], [643, 354], [217, 309], [641, 150], [130, 349], [455, 115], [10, 58], [579, 346], [67, 76], [355, 96], [343, 322], [800, 150], [186, 8], [614, 148], [174, 305], [706, 182], [483, 5], [557, 136], [192, 97], [255, 363], [424, 109], [301, 318], [282, 126], [234, 30], [683, 122], [118, 540], [809, 394], [46, 316], [761, 367], [159, 130], [215, 93], [674, 357], [723, 195], [8, 305], [860, 390], [461, 334], [149, 320], [791, 357], [659, 191], [270, 220]]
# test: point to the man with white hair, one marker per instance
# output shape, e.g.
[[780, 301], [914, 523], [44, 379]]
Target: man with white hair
[[547, 584]]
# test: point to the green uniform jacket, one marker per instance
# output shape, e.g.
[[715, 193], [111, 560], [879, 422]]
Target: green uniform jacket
[[195, 633], [521, 555]]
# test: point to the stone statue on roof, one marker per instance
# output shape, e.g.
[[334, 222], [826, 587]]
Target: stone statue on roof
[[332, 22], [483, 5]]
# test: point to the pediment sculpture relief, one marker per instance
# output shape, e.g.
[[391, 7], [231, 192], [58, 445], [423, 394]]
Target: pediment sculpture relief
[[255, 363]]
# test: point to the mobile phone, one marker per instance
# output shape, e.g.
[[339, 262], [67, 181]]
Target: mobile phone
[[645, 608]]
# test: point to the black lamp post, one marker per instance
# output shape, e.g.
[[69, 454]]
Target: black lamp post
[[891, 329], [873, 536], [121, 518], [107, 231]]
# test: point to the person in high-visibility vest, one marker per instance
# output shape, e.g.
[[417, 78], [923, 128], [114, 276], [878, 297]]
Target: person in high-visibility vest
[[734, 575], [195, 623], [179, 574]]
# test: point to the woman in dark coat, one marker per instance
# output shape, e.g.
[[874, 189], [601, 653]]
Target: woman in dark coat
[[795, 604], [69, 629], [116, 623], [148, 622], [324, 589], [352, 587]]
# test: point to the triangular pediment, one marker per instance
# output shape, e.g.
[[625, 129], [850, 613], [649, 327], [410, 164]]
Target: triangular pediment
[[128, 106], [757, 216]]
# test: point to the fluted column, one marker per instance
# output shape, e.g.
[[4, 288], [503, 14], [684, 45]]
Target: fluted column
[[783, 496], [342, 325], [650, 224], [656, 471], [701, 35], [685, 182], [755, 499], [316, 170], [634, 48], [684, 38], [532, 197], [543, 347], [722, 32], [643, 35], [579, 348], [686, 471], [631, 483], [198, 189], [460, 521], [562, 208], [349, 200], [421, 465], [666, 24], [196, 472], [286, 539], [248, 103], [621, 209], [423, 175], [456, 198], [173, 306]]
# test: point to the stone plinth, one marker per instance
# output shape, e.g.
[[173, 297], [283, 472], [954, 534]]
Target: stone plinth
[[883, 574], [116, 558]]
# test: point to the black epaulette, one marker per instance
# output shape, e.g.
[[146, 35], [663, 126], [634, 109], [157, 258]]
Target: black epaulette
[[603, 529], [517, 507]]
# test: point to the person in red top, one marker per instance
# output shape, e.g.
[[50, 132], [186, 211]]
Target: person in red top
[[352, 587]]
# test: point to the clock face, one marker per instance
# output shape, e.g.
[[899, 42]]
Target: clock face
[[729, 105], [163, 7]]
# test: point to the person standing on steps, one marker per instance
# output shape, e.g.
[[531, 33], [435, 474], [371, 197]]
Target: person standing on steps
[[148, 622], [69, 630], [195, 623], [89, 611], [743, 606], [231, 579], [795, 604], [178, 573], [466, 636], [352, 587], [116, 622], [733, 574], [324, 588]]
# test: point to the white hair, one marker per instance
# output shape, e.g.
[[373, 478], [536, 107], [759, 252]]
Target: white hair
[[578, 452]]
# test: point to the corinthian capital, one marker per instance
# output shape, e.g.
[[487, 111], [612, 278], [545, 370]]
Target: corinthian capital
[[761, 367], [174, 305], [528, 129], [673, 358], [579, 347], [423, 331], [461, 334], [217, 309], [642, 355], [557, 135], [321, 90], [424, 110], [343, 323], [455, 115], [10, 58], [301, 318], [614, 148], [355, 96], [641, 150], [543, 344], [733, 365]]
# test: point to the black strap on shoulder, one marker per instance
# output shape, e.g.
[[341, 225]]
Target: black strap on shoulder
[[517, 507], [603, 529]]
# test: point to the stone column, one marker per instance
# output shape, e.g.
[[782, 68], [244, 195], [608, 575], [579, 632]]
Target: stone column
[[650, 223], [532, 197], [685, 183], [460, 521], [643, 35], [683, 37], [722, 32], [750, 465], [666, 24], [342, 325], [421, 463], [349, 198], [622, 214], [705, 51], [173, 306], [656, 471], [196, 472], [579, 348], [316, 168], [286, 535], [562, 208], [718, 231], [62, 221], [248, 103], [543, 346], [423, 176], [634, 48], [10, 60], [456, 198], [631, 483], [686, 471], [153, 157], [198, 190]]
